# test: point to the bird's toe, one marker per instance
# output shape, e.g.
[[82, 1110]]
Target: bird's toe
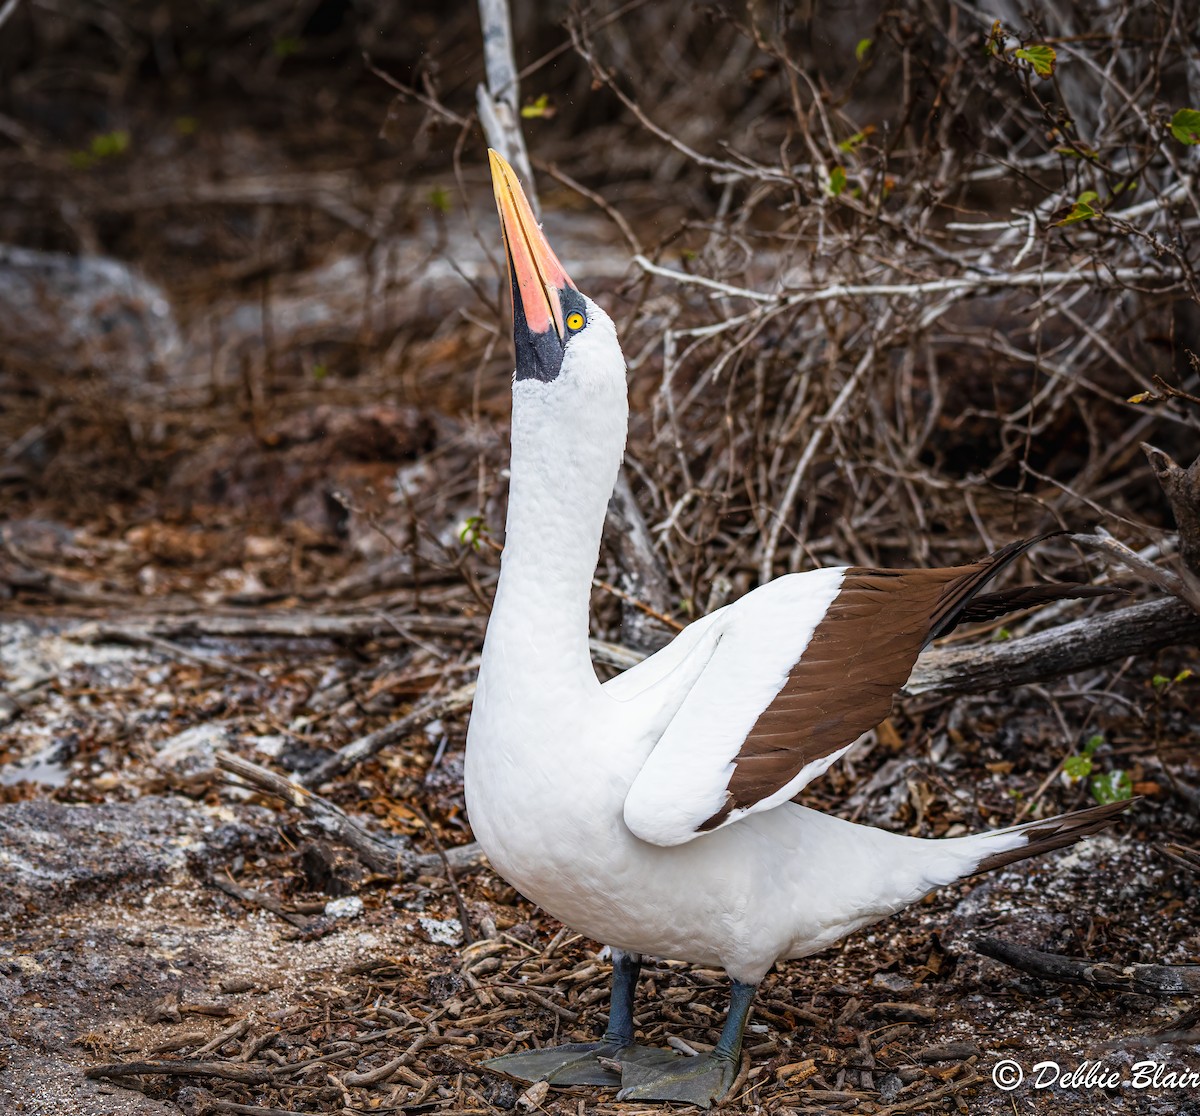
[[576, 1063], [701, 1080]]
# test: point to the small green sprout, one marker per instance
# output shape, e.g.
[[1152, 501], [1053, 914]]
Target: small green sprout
[[1040, 56], [474, 531], [1113, 787], [540, 109]]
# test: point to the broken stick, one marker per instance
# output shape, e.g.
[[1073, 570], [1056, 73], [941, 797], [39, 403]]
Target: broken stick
[[1182, 489], [388, 856]]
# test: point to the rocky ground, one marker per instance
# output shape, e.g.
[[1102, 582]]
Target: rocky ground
[[245, 961]]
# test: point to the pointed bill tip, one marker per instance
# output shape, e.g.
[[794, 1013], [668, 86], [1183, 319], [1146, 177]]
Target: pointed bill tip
[[537, 276]]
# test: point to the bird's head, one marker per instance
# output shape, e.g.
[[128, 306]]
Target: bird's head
[[563, 340]]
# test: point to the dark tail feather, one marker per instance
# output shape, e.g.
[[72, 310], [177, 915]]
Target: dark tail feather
[[961, 590], [1054, 833], [988, 606]]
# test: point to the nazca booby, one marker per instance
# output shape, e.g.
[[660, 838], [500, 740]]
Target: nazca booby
[[655, 813]]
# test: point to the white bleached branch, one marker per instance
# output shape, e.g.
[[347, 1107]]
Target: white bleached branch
[[1112, 277], [497, 101]]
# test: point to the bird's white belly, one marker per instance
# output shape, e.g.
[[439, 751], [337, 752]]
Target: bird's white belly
[[785, 883], [571, 853]]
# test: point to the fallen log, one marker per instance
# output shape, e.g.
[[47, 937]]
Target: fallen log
[[1140, 629]]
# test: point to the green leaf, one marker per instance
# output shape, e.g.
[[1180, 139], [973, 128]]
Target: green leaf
[[104, 146], [287, 45], [320, 371], [1160, 681], [1113, 787], [1183, 675], [541, 109], [439, 198], [1001, 635], [1077, 767], [1082, 210], [1093, 742], [860, 51], [837, 181], [1040, 56], [1185, 126]]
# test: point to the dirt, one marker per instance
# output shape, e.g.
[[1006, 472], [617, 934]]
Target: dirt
[[118, 947]]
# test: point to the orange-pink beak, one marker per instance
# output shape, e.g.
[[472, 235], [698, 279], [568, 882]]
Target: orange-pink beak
[[538, 279]]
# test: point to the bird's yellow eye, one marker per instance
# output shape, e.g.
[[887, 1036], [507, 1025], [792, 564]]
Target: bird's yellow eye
[[575, 320]]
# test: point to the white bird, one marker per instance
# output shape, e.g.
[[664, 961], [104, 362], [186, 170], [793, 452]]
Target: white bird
[[655, 813]]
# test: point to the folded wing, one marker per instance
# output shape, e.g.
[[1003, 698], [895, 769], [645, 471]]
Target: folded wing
[[804, 666]]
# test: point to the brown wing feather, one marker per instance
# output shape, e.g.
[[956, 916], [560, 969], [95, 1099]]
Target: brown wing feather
[[860, 655]]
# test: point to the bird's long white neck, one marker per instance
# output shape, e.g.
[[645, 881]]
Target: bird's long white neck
[[566, 450]]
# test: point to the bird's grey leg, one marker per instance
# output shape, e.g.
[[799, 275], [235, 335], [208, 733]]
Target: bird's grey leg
[[577, 1063], [729, 1045], [700, 1080], [626, 968]]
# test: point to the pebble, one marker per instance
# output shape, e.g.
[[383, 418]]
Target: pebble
[[442, 931], [349, 906]]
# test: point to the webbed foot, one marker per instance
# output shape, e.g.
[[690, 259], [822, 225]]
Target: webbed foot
[[673, 1077], [575, 1063]]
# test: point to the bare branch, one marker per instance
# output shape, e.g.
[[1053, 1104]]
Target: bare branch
[[1116, 551], [378, 854], [1100, 278], [498, 101], [10, 6]]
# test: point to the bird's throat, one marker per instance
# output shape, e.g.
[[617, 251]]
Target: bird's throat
[[558, 496]]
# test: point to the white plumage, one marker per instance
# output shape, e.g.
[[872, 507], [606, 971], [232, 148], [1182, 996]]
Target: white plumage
[[574, 787]]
